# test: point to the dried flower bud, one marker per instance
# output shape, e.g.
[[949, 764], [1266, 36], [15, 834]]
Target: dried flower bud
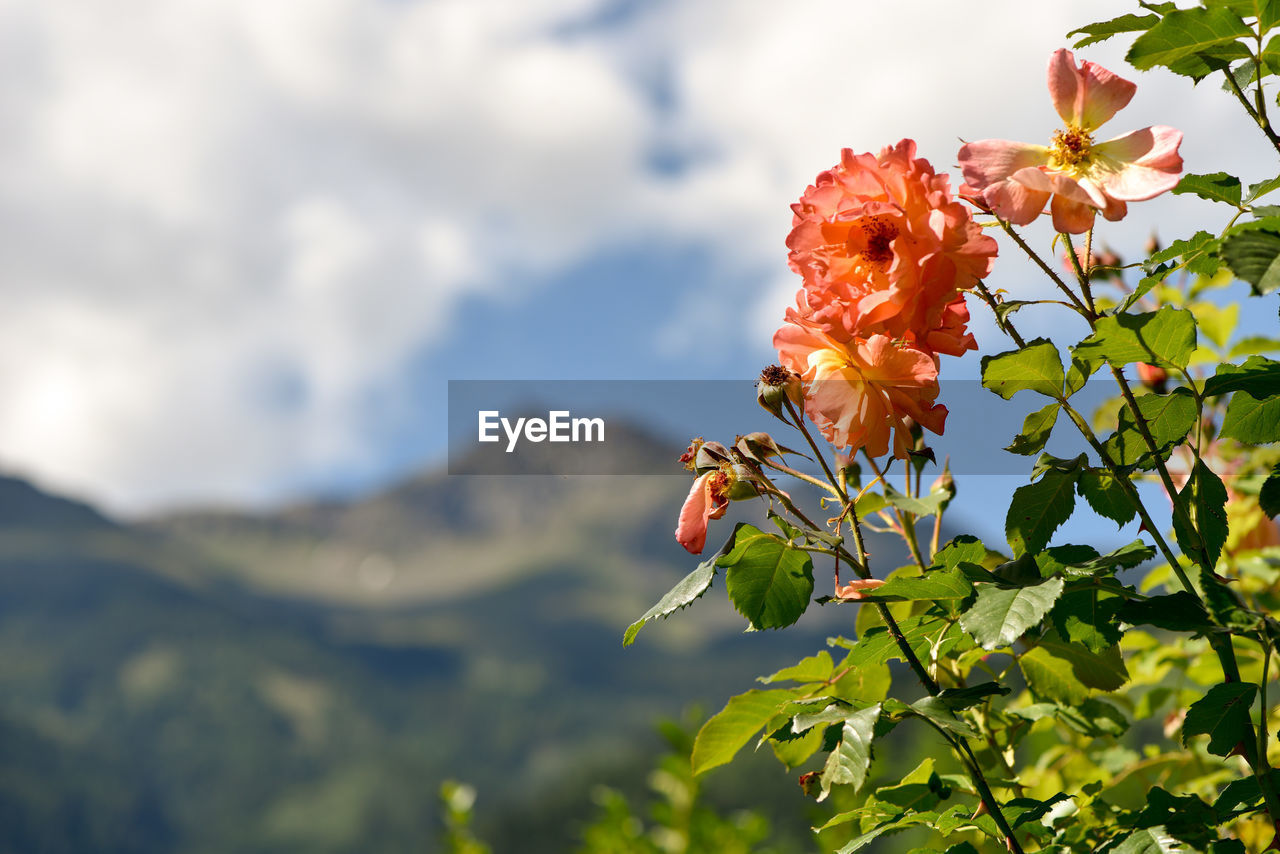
[[811, 783], [691, 453], [945, 484], [1152, 245], [776, 385]]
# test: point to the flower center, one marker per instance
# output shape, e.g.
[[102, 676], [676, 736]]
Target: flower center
[[1072, 149], [876, 233]]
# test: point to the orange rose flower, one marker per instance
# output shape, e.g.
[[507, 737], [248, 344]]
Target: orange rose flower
[[884, 249], [858, 391]]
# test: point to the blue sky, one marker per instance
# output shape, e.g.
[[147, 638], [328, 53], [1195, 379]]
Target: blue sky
[[246, 244]]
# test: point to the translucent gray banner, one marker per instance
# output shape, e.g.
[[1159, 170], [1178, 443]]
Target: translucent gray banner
[[640, 427]]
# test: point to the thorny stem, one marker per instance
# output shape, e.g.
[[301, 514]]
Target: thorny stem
[[1040, 262], [1259, 118], [895, 631], [906, 525], [961, 747], [1221, 643]]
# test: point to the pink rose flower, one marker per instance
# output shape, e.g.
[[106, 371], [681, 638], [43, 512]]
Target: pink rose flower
[[884, 249], [859, 391], [706, 501], [1075, 175]]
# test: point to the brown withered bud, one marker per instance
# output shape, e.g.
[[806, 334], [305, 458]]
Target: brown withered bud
[[778, 384], [1152, 246], [811, 783]]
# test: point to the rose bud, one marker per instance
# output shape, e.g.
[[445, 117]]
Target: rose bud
[[1153, 377], [778, 384]]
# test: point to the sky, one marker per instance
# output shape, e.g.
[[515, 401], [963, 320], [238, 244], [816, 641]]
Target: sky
[[244, 245]]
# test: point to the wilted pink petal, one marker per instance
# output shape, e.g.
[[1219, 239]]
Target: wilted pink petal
[[1088, 95], [706, 501], [858, 589]]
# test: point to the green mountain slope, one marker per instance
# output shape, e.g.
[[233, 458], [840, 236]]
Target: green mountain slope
[[302, 681]]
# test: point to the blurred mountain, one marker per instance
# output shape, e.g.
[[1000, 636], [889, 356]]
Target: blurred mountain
[[303, 680]]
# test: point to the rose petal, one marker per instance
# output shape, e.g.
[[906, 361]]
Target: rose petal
[[1087, 95]]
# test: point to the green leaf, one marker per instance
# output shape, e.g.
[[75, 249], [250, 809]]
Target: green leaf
[[1269, 496], [1216, 322], [848, 763], [1036, 367], [1093, 718], [940, 713], [1191, 42], [1035, 431], [1089, 617], [927, 505], [1258, 376], [1169, 418], [1104, 30], [682, 595], [1176, 612], [1262, 188], [1152, 840], [1064, 672], [1252, 251], [1223, 715], [743, 716], [1216, 187], [815, 668], [1224, 604], [1267, 12], [1127, 556], [1253, 344], [877, 646], [965, 548], [769, 582], [1199, 253], [958, 699], [1243, 795], [1204, 497], [999, 616], [1166, 337], [937, 584], [1250, 420], [1038, 509], [1106, 496]]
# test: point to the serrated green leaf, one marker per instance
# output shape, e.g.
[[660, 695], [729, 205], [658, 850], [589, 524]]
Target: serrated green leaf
[[1267, 12], [682, 595], [1216, 187], [1223, 715], [1258, 376], [1250, 420], [927, 505], [1106, 496], [958, 699], [769, 582], [1036, 367], [878, 646], [1038, 509], [1064, 672], [1166, 337], [1243, 795], [1104, 30], [848, 763], [1191, 42], [999, 615], [1262, 188], [936, 585], [1093, 718], [965, 548], [1204, 497], [743, 716], [1089, 617], [815, 668], [940, 713], [1176, 612], [1152, 840], [1252, 251], [1036, 428]]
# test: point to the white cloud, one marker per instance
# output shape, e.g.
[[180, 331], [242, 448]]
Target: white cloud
[[225, 225]]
